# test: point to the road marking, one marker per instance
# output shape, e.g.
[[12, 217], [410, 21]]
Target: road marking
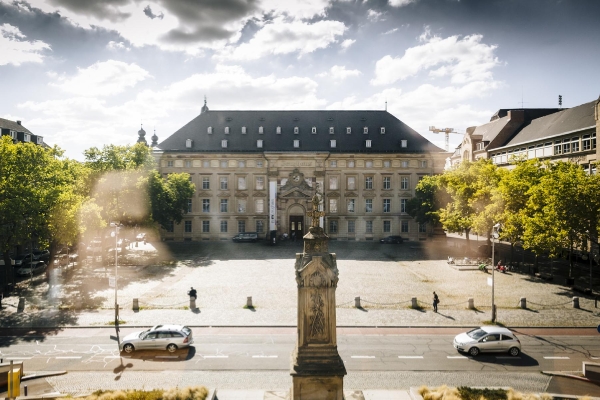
[[216, 356], [362, 356], [18, 358], [556, 358], [67, 358], [166, 356], [458, 357], [410, 356], [261, 356], [595, 358]]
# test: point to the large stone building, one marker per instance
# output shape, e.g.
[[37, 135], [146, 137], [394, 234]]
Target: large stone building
[[256, 171]]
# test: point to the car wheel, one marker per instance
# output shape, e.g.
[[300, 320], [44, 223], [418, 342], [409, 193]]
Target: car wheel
[[474, 351], [514, 351], [128, 348], [172, 348]]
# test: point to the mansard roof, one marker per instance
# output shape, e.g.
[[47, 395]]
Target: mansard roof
[[355, 142]]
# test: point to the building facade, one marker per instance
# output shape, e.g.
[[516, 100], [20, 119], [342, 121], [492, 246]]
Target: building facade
[[257, 171], [18, 132]]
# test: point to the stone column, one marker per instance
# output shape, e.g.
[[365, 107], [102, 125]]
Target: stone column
[[317, 369]]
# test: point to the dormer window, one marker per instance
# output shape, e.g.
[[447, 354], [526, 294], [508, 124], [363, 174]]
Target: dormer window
[[13, 134], [296, 144], [260, 130], [348, 130], [27, 137], [314, 130], [224, 144], [368, 144], [40, 140], [243, 130], [403, 143], [278, 130], [331, 130], [296, 130], [332, 144], [382, 130], [227, 130], [188, 143], [259, 144], [365, 130], [209, 130]]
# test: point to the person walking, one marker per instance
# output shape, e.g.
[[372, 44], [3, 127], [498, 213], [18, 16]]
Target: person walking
[[436, 300], [192, 293]]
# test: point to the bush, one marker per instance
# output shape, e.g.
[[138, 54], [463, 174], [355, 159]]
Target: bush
[[189, 393], [467, 393]]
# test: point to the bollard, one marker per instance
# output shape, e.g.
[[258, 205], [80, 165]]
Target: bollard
[[523, 303], [414, 305], [192, 303], [575, 302], [136, 305], [249, 302], [471, 303], [595, 302], [357, 302], [21, 306], [25, 389]]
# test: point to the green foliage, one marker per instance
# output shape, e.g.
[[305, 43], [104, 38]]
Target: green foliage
[[468, 393], [169, 197], [188, 393], [118, 158], [429, 198]]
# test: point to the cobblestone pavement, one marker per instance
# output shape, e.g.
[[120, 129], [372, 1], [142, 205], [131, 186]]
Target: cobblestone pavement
[[385, 277]]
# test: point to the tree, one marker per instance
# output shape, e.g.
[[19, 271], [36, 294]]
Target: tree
[[169, 197], [429, 198]]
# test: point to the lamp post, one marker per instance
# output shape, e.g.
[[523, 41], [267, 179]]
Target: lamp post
[[116, 225], [495, 235]]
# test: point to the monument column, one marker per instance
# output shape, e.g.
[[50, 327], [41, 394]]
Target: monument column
[[316, 367]]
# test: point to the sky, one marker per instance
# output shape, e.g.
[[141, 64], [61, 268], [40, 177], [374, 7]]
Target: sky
[[86, 74]]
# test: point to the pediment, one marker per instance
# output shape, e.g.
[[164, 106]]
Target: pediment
[[405, 194], [239, 193], [333, 194], [295, 194], [224, 194], [369, 195], [387, 194], [259, 194], [317, 273], [204, 194], [351, 194]]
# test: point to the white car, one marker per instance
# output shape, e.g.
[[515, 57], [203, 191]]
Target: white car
[[159, 337], [31, 268], [490, 338]]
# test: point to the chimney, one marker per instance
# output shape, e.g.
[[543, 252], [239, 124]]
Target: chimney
[[18, 122]]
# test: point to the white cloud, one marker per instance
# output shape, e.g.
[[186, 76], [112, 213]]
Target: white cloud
[[464, 60], [347, 43], [282, 37], [374, 16], [16, 50], [390, 31], [304, 9], [339, 73], [103, 79], [401, 3], [112, 45]]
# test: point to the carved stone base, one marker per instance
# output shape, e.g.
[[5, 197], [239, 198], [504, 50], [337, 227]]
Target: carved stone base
[[317, 361], [314, 387]]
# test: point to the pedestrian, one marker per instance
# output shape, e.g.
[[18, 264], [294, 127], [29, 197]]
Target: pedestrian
[[293, 236], [192, 293], [436, 300]]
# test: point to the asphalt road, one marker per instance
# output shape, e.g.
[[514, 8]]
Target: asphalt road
[[231, 349]]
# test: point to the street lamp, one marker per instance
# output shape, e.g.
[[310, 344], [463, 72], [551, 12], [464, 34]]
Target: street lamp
[[495, 235], [116, 225]]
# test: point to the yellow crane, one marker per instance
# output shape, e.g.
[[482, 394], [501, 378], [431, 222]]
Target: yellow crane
[[447, 131]]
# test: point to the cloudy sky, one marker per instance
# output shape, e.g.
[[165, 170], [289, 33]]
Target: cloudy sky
[[88, 73]]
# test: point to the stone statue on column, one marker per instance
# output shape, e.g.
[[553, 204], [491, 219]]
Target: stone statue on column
[[316, 367]]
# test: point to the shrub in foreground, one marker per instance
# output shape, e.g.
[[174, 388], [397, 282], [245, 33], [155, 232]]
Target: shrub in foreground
[[188, 393], [468, 393]]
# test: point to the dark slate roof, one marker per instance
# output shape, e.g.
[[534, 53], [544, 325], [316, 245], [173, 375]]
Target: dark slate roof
[[12, 125], [490, 130], [395, 131], [569, 120]]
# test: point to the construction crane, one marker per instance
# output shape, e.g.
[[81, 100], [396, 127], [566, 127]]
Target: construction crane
[[447, 131]]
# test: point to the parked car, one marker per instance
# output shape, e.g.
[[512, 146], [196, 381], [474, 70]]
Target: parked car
[[22, 259], [489, 338], [392, 240], [41, 255], [159, 337], [246, 237], [12, 261], [32, 268]]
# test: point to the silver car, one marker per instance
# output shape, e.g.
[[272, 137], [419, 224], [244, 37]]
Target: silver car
[[489, 338], [159, 337]]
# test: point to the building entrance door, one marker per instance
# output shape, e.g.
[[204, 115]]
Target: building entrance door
[[296, 226]]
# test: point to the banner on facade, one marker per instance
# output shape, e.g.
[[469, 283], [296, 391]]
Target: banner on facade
[[273, 205]]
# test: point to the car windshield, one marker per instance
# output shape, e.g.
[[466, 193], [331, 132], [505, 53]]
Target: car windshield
[[143, 334], [186, 330], [476, 333]]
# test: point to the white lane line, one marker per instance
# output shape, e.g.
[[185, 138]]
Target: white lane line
[[457, 357], [261, 356], [215, 356], [595, 358], [362, 356], [556, 358], [111, 356], [410, 356], [67, 358], [18, 358]]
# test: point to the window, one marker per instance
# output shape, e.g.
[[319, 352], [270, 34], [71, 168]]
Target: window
[[351, 226], [224, 164], [170, 226], [333, 183], [224, 144], [404, 182], [369, 164], [188, 226], [206, 205], [259, 206], [241, 164], [351, 183], [575, 144], [351, 205], [333, 163], [224, 183], [188, 164], [423, 163], [314, 130], [189, 206], [243, 130], [205, 226], [369, 182], [188, 143], [348, 130], [586, 142], [169, 163], [593, 141], [351, 164], [333, 226], [403, 203], [259, 164], [224, 203], [404, 164], [422, 228], [241, 226], [387, 226], [332, 144], [387, 163], [296, 144], [387, 182], [387, 205], [365, 130], [368, 226], [260, 130], [331, 130], [241, 206], [259, 183], [404, 226], [260, 226], [368, 144], [296, 130], [333, 206], [242, 183], [13, 134], [278, 130], [557, 147], [259, 144], [223, 226], [369, 205], [403, 143], [209, 130], [566, 146], [227, 130], [382, 130]]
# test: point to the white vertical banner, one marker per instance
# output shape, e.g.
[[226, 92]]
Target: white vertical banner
[[320, 186], [273, 205]]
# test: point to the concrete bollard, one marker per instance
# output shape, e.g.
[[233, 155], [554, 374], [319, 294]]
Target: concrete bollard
[[25, 389], [575, 302], [192, 303], [249, 302], [21, 306], [414, 303], [136, 305], [471, 303], [357, 302], [523, 303]]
